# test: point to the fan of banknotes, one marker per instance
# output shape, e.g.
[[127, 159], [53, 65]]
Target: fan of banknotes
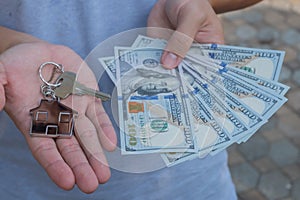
[[217, 96]]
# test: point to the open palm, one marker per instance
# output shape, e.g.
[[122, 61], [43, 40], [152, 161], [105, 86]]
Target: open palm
[[79, 160]]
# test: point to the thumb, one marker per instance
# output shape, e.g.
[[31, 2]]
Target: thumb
[[180, 41], [177, 46]]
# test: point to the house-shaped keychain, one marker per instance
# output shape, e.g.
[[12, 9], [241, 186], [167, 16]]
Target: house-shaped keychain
[[52, 119]]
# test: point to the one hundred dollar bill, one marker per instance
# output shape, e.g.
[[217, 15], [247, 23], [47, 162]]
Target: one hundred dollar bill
[[255, 97], [209, 133], [270, 86], [207, 130], [263, 62], [238, 86], [154, 110], [251, 118], [109, 64], [143, 41], [263, 82], [226, 117]]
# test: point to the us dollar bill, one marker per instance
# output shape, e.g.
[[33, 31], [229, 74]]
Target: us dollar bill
[[109, 64], [173, 158], [208, 130], [268, 87], [255, 97], [236, 82], [226, 117], [271, 86], [154, 110], [240, 73], [209, 133], [249, 117], [143, 41], [265, 63]]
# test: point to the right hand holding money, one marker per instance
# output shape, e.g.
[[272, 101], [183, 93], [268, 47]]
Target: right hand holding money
[[219, 96], [189, 23]]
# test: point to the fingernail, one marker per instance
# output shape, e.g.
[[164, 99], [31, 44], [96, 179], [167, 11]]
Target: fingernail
[[170, 60]]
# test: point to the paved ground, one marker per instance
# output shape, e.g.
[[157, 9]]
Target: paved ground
[[268, 165]]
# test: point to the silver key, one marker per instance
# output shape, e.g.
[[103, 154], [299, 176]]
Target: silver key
[[69, 86]]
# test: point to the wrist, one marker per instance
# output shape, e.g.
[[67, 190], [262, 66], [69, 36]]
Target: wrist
[[10, 38]]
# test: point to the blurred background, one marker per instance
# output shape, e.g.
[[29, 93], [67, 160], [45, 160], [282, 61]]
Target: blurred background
[[268, 165]]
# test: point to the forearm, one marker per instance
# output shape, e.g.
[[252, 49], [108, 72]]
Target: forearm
[[221, 6], [11, 38]]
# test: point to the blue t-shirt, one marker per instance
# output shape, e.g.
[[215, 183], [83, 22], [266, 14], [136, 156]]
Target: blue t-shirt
[[82, 25]]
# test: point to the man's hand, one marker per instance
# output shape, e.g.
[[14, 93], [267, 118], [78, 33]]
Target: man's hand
[[192, 20], [79, 160]]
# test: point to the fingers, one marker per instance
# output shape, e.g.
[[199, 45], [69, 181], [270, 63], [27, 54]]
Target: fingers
[[158, 24], [96, 113], [45, 152], [159, 33], [178, 45], [182, 39], [68, 162], [187, 21], [89, 165], [193, 19], [88, 138], [73, 155], [93, 109]]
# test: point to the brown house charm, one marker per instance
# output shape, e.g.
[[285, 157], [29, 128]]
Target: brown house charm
[[52, 119]]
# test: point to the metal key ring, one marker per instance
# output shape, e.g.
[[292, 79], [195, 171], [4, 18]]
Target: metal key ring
[[58, 66]]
